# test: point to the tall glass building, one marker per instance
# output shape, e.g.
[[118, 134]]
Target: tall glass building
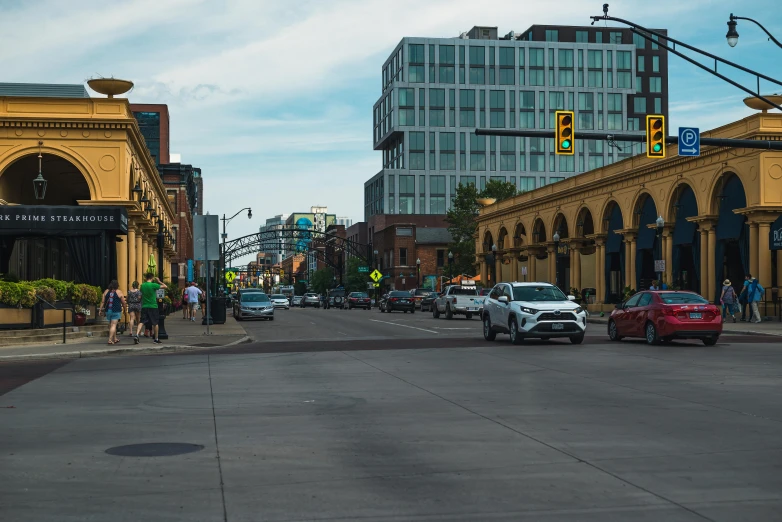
[[436, 91]]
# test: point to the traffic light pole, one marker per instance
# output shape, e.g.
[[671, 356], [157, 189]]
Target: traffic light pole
[[637, 138]]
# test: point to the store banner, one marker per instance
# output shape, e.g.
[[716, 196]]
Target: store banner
[[68, 219], [775, 235], [190, 270]]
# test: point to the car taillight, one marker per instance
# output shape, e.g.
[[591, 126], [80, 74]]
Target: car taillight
[[669, 310], [393, 299]]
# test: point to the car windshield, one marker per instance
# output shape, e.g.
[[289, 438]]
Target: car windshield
[[279, 296], [421, 292], [464, 291], [682, 298], [358, 294], [538, 293], [399, 294], [255, 297]]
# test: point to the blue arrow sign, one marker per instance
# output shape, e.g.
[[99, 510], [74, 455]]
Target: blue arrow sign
[[689, 141]]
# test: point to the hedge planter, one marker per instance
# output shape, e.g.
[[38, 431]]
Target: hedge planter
[[14, 318]]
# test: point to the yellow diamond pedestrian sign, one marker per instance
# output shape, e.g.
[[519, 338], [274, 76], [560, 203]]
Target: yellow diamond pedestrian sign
[[376, 276], [230, 276]]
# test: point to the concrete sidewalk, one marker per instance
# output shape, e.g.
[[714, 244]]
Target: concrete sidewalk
[[182, 335], [771, 327]]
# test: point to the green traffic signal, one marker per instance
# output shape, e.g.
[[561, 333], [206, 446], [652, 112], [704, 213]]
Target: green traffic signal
[[566, 144], [657, 147]]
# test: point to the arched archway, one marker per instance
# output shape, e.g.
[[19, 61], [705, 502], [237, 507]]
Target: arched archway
[[648, 243], [538, 231], [731, 252], [686, 252], [66, 185], [502, 240], [614, 274], [519, 235]]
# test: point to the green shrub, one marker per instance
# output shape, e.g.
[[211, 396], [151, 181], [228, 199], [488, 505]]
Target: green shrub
[[26, 295], [62, 289], [86, 294], [46, 293], [10, 293]]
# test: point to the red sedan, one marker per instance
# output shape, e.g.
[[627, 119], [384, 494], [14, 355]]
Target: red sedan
[[663, 315]]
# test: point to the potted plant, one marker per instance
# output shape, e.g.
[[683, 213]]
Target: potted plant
[[84, 298]]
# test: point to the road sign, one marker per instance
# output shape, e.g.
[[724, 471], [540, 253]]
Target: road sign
[[376, 276], [229, 277], [659, 265], [377, 285], [363, 269], [524, 270], [689, 141], [282, 273]]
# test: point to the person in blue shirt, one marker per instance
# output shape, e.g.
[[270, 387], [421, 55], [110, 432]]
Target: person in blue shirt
[[755, 293], [743, 298]]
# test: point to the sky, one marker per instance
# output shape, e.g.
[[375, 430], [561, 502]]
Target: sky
[[273, 99]]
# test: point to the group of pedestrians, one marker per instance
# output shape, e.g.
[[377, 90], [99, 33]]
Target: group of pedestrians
[[141, 305], [192, 299], [751, 294]]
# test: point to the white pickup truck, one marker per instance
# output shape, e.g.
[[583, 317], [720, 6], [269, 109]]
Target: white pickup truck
[[458, 300]]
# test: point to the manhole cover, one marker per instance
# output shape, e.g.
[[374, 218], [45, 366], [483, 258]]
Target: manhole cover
[[154, 449]]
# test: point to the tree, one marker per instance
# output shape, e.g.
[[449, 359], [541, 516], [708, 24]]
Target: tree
[[300, 288], [355, 281], [461, 220], [321, 280]]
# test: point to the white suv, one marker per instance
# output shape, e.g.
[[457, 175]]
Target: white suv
[[526, 310]]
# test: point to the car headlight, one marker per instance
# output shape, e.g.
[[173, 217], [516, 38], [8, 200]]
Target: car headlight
[[528, 310], [578, 310]]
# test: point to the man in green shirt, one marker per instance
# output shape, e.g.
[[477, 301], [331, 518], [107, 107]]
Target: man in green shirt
[[149, 311]]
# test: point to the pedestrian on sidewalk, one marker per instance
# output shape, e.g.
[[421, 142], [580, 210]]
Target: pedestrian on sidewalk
[[185, 304], [113, 304], [728, 300], [743, 302], [754, 295], [134, 307], [149, 310], [193, 295]]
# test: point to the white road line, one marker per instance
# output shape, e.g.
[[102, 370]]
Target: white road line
[[404, 326], [439, 328]]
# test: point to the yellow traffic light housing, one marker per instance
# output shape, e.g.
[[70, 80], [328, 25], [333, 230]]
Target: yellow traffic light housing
[[565, 137], [655, 136]]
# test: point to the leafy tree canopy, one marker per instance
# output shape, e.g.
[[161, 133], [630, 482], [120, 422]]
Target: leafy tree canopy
[[322, 280]]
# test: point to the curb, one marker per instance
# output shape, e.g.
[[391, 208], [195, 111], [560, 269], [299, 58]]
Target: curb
[[724, 332], [118, 351]]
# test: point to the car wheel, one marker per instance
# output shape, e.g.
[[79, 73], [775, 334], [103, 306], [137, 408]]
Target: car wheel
[[577, 339], [651, 334], [488, 333], [435, 312], [515, 337], [613, 331], [405, 311], [448, 312], [412, 311], [710, 341], [469, 316], [271, 318]]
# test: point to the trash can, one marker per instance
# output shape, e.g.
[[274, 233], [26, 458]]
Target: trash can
[[217, 310]]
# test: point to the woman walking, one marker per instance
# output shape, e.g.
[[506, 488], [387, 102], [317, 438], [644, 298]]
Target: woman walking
[[134, 307], [728, 300], [113, 303], [185, 304]]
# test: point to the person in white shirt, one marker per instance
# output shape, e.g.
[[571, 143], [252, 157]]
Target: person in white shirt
[[193, 292]]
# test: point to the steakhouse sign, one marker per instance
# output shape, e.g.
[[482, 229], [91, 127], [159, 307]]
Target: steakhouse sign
[[39, 218]]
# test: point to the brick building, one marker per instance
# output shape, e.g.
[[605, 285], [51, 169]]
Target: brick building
[[296, 265], [181, 190], [401, 241]]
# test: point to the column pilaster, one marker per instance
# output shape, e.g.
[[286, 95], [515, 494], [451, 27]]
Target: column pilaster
[[712, 264], [668, 249], [131, 239], [514, 267], [122, 264], [753, 250]]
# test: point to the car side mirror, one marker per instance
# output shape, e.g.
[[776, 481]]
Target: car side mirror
[[503, 299], [571, 298]]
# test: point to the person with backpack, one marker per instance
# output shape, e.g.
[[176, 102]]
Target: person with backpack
[[755, 294], [113, 304], [728, 300], [743, 297]]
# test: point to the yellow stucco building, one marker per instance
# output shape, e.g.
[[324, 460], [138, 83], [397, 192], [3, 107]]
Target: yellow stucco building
[[718, 210], [92, 156]]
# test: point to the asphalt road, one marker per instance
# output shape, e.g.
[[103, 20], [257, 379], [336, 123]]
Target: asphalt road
[[356, 415]]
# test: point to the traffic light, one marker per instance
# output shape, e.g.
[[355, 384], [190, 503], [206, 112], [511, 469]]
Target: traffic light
[[655, 136], [565, 138]]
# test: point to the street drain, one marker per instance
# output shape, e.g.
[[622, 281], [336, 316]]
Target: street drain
[[154, 449]]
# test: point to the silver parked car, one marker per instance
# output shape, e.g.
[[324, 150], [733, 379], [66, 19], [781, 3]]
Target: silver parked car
[[280, 301], [310, 299], [297, 300], [250, 304]]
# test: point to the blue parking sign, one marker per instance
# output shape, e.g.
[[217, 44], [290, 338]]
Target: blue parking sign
[[689, 141]]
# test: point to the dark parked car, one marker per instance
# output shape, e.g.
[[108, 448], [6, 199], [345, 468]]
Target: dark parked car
[[336, 299], [426, 302], [359, 300], [397, 300], [251, 304]]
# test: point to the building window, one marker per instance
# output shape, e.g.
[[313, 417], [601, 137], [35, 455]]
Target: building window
[[624, 60], [462, 151], [582, 36], [526, 183], [477, 152], [447, 151], [402, 257], [598, 37], [467, 181], [406, 106], [624, 80], [655, 84], [658, 105], [537, 159], [639, 105], [640, 67], [615, 37], [639, 85], [467, 108], [639, 41], [477, 63], [507, 153], [654, 45], [416, 53], [447, 55], [633, 124], [655, 64], [437, 194], [497, 108], [440, 258], [406, 194], [556, 102], [595, 59], [417, 148], [437, 107], [507, 76], [416, 74], [171, 194], [507, 57], [552, 35]]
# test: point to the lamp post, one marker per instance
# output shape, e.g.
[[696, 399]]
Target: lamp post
[[450, 267], [224, 235], [418, 271], [556, 251], [162, 334], [660, 222], [733, 35], [39, 184], [494, 263]]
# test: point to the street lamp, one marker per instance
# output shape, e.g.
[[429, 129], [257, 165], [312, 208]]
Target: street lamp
[[660, 222], [733, 35], [39, 184], [226, 220], [418, 270], [556, 251], [494, 263], [450, 267]]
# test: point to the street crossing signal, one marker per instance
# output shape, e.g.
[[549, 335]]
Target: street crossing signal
[[655, 136], [565, 138]]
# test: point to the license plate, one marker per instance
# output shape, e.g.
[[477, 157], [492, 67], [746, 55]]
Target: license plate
[[403, 302], [557, 326], [696, 315], [472, 309]]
